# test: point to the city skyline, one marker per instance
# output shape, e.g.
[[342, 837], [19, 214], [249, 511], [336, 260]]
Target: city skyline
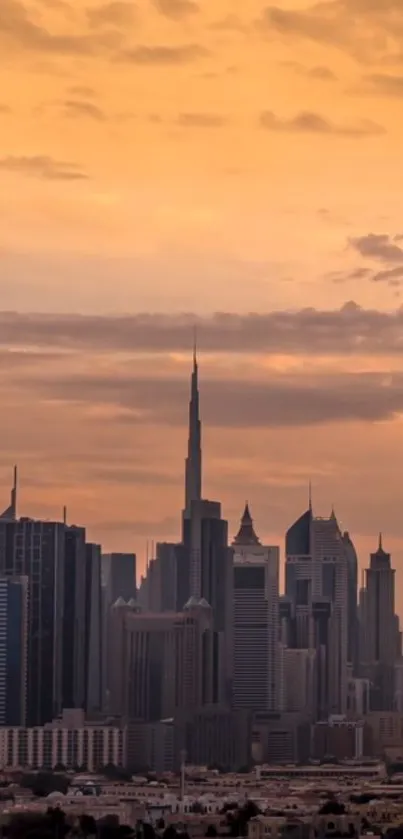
[[193, 481], [176, 157]]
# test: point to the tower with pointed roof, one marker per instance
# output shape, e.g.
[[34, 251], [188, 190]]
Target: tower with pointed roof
[[256, 600], [379, 631], [246, 534]]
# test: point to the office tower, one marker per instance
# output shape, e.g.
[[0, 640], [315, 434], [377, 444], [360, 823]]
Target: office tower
[[118, 580], [36, 550], [255, 621], [166, 664], [317, 587], [13, 650], [193, 467], [168, 578], [378, 655], [73, 665], [211, 578], [93, 629], [352, 606], [119, 576], [298, 680], [330, 581]]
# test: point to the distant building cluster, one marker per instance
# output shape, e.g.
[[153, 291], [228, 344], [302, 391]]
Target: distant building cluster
[[205, 661]]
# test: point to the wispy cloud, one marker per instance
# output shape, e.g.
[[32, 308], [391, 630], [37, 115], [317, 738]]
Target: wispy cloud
[[116, 13], [200, 120], [17, 28], [42, 166], [313, 123], [310, 331], [176, 9], [80, 108], [163, 54]]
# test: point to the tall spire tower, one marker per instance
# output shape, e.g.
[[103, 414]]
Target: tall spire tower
[[193, 475]]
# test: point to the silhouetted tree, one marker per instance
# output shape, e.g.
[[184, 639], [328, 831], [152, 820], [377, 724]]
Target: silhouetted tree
[[88, 825], [332, 808]]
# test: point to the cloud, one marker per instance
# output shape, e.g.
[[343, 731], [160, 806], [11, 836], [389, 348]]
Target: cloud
[[378, 246], [392, 277], [229, 23], [384, 84], [116, 13], [42, 166], [199, 120], [320, 72], [277, 400], [5, 109], [176, 9], [163, 54], [313, 123], [18, 29], [82, 90], [351, 329], [74, 108], [369, 32]]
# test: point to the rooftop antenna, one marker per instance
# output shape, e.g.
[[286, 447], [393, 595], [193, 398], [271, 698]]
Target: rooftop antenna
[[310, 495], [65, 516]]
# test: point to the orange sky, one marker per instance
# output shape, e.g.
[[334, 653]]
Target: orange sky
[[170, 156]]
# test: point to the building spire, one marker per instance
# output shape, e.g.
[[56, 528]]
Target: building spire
[[310, 495], [10, 514], [246, 534], [193, 476], [380, 547], [14, 492]]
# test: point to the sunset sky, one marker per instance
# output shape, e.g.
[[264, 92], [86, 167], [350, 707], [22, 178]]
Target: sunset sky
[[166, 163]]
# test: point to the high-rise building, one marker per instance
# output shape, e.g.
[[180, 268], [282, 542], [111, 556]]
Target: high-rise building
[[165, 660], [118, 579], [36, 550], [93, 629], [317, 591], [119, 576], [330, 581], [379, 635], [211, 578], [255, 621], [74, 674], [352, 606], [13, 650]]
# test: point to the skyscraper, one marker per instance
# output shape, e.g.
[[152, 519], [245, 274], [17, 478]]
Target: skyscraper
[[163, 662], [93, 629], [36, 550], [352, 606], [256, 615], [317, 589], [119, 576], [379, 652], [211, 578], [13, 650], [74, 688], [193, 468]]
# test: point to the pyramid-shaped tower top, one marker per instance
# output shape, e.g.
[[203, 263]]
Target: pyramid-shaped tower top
[[246, 534]]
